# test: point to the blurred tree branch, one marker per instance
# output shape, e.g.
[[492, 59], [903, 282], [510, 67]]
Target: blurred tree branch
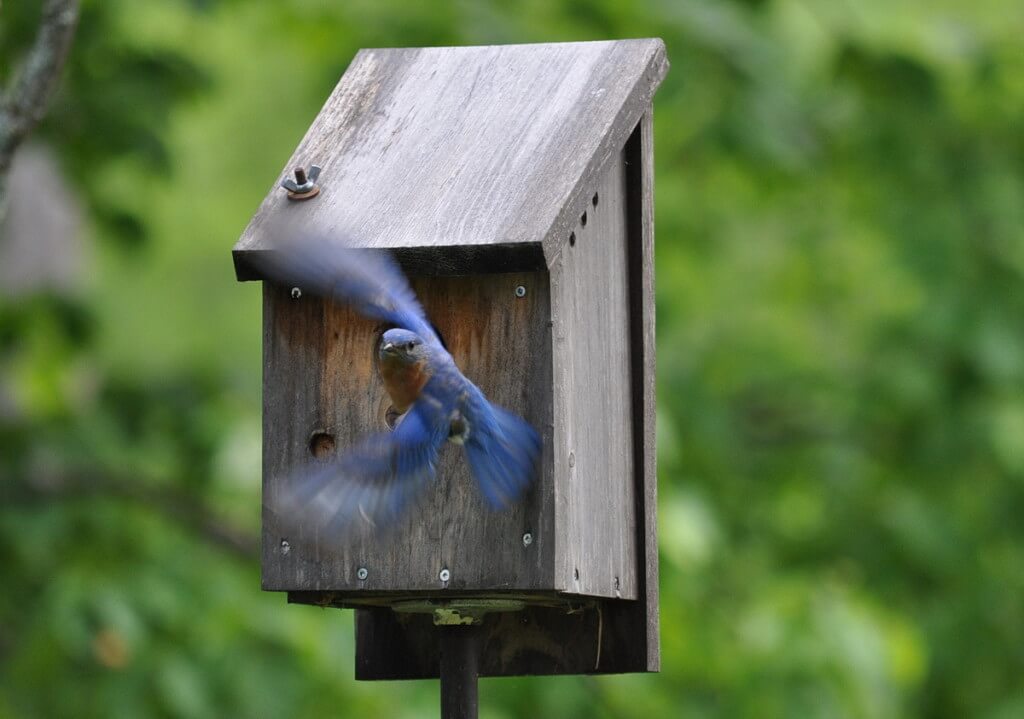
[[24, 103], [178, 506]]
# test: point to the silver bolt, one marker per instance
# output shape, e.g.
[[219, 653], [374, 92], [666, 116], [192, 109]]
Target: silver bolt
[[296, 293], [362, 574], [527, 539], [285, 547], [304, 183], [520, 291], [445, 575]]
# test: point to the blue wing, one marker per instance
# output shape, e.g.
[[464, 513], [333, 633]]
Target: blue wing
[[373, 482], [368, 280], [503, 450]]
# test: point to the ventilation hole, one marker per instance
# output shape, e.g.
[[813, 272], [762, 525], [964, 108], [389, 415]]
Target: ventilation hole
[[583, 219], [321, 445], [594, 201], [572, 239]]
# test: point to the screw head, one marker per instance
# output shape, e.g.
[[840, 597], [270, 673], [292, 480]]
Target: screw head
[[527, 539], [296, 293], [445, 575], [285, 546], [572, 459], [362, 573], [520, 291]]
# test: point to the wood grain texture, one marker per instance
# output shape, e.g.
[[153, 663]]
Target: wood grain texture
[[485, 148], [320, 377], [593, 437]]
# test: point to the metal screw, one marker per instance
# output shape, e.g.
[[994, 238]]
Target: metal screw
[[285, 547], [296, 293], [362, 573], [527, 539], [445, 575], [520, 291], [304, 185], [572, 459]]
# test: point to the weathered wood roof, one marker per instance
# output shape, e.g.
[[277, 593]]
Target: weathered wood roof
[[481, 152]]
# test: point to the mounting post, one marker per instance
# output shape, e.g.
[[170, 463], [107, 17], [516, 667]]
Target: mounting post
[[460, 646]]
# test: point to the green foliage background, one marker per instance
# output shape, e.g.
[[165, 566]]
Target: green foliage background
[[840, 254]]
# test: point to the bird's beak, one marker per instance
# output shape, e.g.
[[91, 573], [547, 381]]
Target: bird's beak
[[387, 347]]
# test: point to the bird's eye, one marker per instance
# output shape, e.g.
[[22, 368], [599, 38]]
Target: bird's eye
[[409, 346]]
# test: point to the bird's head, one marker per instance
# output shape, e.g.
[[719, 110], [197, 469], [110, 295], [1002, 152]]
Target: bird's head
[[402, 346]]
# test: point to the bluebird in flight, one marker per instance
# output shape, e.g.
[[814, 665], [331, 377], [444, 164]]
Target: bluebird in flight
[[378, 477]]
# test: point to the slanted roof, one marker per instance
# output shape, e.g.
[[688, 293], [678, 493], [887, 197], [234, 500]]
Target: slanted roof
[[478, 151]]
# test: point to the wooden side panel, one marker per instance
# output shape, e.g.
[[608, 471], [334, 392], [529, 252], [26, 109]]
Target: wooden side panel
[[320, 377], [593, 443]]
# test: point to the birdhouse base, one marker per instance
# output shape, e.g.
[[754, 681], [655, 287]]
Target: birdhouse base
[[397, 636]]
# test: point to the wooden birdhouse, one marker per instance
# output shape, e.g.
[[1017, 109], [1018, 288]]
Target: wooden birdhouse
[[514, 186]]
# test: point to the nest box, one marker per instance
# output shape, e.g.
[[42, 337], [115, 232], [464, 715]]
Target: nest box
[[514, 186]]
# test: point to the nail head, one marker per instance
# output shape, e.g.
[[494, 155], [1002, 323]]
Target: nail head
[[445, 575], [362, 573]]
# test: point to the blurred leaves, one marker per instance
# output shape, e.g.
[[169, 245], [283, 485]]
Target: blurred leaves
[[840, 251]]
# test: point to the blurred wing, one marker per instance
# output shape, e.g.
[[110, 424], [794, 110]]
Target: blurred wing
[[503, 451], [373, 483], [368, 280]]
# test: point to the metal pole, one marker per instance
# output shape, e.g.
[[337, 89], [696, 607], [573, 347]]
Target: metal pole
[[459, 654]]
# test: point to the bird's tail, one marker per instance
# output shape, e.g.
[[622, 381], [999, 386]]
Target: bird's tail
[[504, 453]]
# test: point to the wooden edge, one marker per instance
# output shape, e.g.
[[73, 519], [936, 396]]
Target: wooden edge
[[430, 261]]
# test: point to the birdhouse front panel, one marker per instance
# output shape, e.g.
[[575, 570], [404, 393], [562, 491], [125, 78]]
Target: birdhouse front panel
[[323, 392]]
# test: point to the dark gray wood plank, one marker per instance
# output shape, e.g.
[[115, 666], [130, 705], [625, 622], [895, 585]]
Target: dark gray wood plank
[[644, 616], [474, 147], [538, 640], [320, 377]]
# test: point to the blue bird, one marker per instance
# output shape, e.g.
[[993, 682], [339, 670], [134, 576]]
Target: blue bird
[[378, 478]]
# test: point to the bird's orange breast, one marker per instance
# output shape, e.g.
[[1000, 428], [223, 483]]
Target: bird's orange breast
[[404, 381]]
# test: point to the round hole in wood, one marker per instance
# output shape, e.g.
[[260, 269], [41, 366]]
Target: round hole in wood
[[572, 239], [321, 445], [583, 220]]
